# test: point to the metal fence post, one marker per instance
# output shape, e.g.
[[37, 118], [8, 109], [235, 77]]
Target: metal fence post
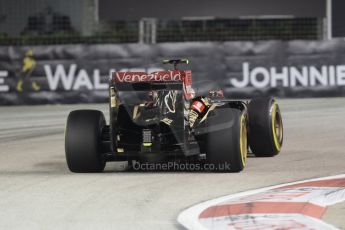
[[148, 30], [141, 31]]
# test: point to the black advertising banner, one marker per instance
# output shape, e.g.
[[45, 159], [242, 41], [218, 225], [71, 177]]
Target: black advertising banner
[[79, 73]]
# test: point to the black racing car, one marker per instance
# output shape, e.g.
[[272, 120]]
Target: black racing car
[[156, 117]]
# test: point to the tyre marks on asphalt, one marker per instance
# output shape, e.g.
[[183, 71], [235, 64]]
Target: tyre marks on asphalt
[[16, 134], [298, 205], [24, 122], [24, 125]]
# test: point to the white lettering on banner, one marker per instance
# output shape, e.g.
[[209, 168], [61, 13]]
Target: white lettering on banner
[[332, 76], [73, 80], [321, 77], [60, 74], [238, 84], [3, 87], [306, 76], [82, 81], [97, 81], [254, 77], [301, 77], [341, 75], [283, 76], [76, 80], [258, 77]]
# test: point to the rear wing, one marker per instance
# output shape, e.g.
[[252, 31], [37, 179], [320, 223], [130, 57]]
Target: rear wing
[[142, 77], [139, 81]]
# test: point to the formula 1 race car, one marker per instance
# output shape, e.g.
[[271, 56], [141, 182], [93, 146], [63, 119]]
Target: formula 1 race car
[[156, 117]]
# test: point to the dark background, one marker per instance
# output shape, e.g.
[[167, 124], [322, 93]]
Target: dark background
[[133, 9], [338, 19], [166, 9]]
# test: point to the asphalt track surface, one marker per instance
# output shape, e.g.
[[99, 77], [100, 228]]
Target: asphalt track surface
[[37, 191]]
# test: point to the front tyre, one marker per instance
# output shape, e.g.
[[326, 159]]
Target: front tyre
[[265, 127], [82, 141], [226, 147]]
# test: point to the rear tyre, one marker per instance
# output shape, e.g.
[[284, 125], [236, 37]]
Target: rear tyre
[[226, 147], [265, 127], [82, 141]]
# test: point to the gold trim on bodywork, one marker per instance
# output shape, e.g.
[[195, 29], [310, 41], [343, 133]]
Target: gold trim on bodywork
[[208, 111], [113, 99]]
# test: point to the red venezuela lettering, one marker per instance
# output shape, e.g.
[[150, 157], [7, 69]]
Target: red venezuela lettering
[[123, 77]]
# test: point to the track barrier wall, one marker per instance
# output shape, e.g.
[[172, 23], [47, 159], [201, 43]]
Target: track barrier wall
[[79, 73]]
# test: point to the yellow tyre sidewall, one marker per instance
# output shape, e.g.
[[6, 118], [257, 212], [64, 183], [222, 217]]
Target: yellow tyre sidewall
[[277, 142], [243, 139]]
